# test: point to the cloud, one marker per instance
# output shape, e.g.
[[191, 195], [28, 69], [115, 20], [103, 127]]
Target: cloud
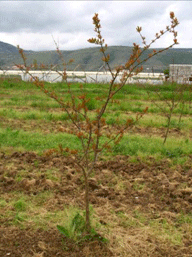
[[31, 24]]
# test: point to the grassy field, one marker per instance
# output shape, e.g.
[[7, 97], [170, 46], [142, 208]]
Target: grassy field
[[141, 191]]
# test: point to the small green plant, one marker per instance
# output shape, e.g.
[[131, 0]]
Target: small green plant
[[75, 229], [20, 205]]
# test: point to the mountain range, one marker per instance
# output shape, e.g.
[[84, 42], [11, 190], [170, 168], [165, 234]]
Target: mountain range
[[89, 59]]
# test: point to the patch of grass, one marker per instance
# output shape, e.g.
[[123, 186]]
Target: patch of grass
[[20, 205], [111, 121], [36, 141], [42, 198], [184, 218], [30, 210], [21, 174], [129, 145], [139, 216], [137, 186], [164, 229], [9, 113], [128, 221], [15, 208], [136, 145], [33, 115], [19, 219], [43, 105], [91, 105], [3, 203], [52, 175], [159, 121]]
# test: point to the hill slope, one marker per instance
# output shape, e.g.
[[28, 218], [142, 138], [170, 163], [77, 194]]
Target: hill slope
[[89, 59]]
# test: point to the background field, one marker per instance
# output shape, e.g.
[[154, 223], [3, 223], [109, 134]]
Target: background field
[[141, 191]]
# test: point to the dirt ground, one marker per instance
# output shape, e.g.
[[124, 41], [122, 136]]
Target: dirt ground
[[155, 188]]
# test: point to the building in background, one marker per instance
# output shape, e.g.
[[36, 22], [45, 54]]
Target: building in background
[[180, 73]]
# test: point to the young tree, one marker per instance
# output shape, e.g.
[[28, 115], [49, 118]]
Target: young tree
[[168, 105], [88, 125]]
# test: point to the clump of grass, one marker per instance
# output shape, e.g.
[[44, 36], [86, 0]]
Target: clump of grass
[[20, 205]]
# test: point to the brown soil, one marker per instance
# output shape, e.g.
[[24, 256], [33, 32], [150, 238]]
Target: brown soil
[[153, 188], [17, 243]]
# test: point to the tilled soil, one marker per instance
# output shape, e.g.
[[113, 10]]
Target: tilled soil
[[154, 188], [17, 243]]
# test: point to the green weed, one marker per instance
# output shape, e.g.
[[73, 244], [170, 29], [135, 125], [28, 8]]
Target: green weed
[[20, 205]]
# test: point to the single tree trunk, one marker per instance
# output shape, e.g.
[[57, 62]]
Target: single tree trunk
[[88, 226], [169, 121], [168, 125], [183, 104]]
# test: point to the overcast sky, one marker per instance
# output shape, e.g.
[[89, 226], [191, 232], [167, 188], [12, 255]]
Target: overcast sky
[[33, 24]]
